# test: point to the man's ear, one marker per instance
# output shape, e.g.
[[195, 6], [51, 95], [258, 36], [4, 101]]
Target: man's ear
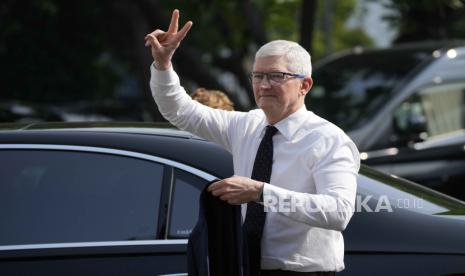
[[307, 84]]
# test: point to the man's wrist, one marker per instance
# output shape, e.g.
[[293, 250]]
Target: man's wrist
[[260, 192], [162, 66]]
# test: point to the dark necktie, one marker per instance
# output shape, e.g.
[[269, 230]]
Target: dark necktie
[[255, 216]]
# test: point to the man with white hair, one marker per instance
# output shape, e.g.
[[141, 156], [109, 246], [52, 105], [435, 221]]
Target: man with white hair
[[295, 173]]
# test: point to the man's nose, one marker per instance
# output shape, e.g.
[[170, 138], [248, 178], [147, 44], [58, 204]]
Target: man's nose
[[265, 82]]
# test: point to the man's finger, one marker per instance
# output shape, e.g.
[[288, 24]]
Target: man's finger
[[230, 196], [215, 186], [219, 192], [226, 189], [153, 41], [219, 189], [159, 34], [173, 28], [183, 32], [226, 197]]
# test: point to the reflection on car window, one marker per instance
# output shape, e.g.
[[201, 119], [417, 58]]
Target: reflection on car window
[[185, 204], [442, 108], [348, 90], [407, 195], [63, 196], [433, 115]]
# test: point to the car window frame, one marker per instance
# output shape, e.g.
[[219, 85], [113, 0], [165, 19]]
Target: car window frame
[[62, 248], [171, 201]]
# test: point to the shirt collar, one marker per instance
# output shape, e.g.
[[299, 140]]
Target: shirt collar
[[289, 125]]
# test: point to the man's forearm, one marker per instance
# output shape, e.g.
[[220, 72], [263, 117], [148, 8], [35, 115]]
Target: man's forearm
[[178, 108], [330, 210], [167, 93]]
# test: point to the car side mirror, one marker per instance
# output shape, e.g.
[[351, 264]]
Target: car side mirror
[[416, 128], [410, 126], [416, 124]]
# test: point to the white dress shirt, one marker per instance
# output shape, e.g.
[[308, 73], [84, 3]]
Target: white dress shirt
[[314, 164]]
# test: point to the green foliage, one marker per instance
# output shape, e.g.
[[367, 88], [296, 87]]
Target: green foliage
[[220, 25], [427, 19], [342, 37], [63, 51], [281, 18], [50, 52]]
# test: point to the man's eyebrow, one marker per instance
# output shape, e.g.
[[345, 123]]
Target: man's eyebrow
[[270, 71]]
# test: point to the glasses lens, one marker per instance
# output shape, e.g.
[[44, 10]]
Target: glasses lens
[[256, 77], [276, 77]]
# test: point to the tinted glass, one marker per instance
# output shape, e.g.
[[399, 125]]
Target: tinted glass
[[62, 196], [349, 90], [405, 195], [441, 108], [185, 204]]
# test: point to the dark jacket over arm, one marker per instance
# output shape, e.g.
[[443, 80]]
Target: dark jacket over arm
[[215, 245]]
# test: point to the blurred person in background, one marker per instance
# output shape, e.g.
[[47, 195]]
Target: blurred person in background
[[213, 98]]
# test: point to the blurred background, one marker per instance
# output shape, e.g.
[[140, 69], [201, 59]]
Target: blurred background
[[86, 61]]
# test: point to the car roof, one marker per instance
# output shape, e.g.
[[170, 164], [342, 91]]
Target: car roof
[[422, 46], [148, 138], [150, 128]]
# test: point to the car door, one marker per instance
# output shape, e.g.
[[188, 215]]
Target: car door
[[70, 210], [402, 228]]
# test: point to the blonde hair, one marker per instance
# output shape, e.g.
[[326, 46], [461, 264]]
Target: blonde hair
[[213, 98]]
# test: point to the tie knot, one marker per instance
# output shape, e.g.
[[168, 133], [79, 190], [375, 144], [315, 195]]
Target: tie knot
[[270, 131]]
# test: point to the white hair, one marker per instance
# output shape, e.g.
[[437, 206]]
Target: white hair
[[298, 59]]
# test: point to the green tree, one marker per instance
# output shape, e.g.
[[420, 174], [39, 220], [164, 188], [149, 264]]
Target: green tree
[[427, 19], [341, 36], [56, 50], [48, 52]]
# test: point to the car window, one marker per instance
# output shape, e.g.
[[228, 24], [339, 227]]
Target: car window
[[437, 111], [349, 90], [185, 203], [378, 188], [49, 196]]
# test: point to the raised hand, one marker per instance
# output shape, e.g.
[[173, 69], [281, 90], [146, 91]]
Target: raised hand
[[164, 44]]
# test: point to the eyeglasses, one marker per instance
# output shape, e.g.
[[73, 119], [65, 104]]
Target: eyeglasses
[[274, 78]]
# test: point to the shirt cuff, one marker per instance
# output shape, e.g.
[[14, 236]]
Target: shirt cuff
[[165, 77], [260, 198], [271, 193], [275, 197]]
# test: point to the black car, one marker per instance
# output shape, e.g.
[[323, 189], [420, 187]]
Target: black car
[[121, 199], [441, 167], [399, 103]]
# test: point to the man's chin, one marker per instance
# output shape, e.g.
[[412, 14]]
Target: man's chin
[[264, 105], [267, 102], [267, 106]]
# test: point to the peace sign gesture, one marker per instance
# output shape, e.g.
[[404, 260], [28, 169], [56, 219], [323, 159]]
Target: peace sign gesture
[[164, 44]]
